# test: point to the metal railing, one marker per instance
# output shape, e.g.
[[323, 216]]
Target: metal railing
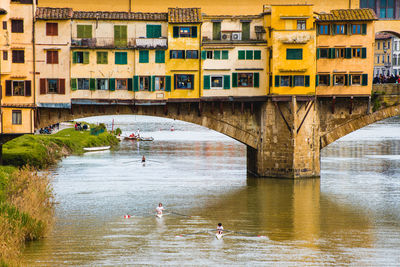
[[107, 42]]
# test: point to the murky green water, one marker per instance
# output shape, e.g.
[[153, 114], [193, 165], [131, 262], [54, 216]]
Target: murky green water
[[351, 216]]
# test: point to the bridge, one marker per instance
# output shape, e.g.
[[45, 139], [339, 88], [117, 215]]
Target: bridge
[[283, 135]]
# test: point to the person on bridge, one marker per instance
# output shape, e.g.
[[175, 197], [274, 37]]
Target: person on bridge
[[220, 229], [160, 209]]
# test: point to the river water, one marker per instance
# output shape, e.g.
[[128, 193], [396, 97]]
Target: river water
[[350, 216]]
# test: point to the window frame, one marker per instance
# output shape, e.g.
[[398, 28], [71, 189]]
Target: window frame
[[325, 50], [324, 29], [282, 82], [142, 80], [354, 76], [194, 54], [340, 52], [160, 78], [209, 54], [79, 82], [356, 52], [250, 78], [335, 83], [51, 29], [177, 52], [176, 80], [101, 56], [217, 77], [52, 57], [294, 52], [16, 117], [107, 83], [356, 29], [17, 26], [57, 89], [119, 82], [340, 29], [328, 76], [21, 89], [123, 56], [302, 23], [297, 77], [16, 56], [84, 31]]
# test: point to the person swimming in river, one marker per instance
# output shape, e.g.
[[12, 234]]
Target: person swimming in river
[[220, 229], [160, 209]]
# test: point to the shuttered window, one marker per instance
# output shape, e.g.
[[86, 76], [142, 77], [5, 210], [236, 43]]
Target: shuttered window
[[216, 30], [144, 56], [249, 54], [294, 54], [17, 26], [245, 30], [160, 56], [153, 31], [52, 57], [18, 56], [217, 54], [206, 82], [84, 31], [80, 57], [257, 54], [167, 83], [120, 35], [121, 58], [18, 88], [51, 29], [225, 54], [227, 82], [102, 57], [241, 54]]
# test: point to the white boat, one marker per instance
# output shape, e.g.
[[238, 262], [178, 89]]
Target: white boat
[[97, 148], [145, 139], [218, 236]]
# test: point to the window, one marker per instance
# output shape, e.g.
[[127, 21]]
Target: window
[[184, 81], [153, 31], [340, 52], [386, 9], [192, 54], [209, 54], [18, 88], [102, 84], [121, 58], [298, 80], [323, 52], [249, 54], [120, 35], [83, 84], [144, 56], [51, 29], [18, 56], [225, 54], [160, 56], [84, 31], [294, 54], [52, 57], [217, 54], [4, 25], [17, 26], [122, 84], [102, 57], [285, 81], [144, 83], [383, 58], [301, 24], [52, 86], [388, 59], [324, 80], [159, 83], [177, 54], [185, 31], [356, 29], [17, 117], [216, 82], [367, 4], [5, 55], [388, 46], [241, 54], [323, 30], [338, 79], [245, 30], [379, 45], [257, 54], [355, 79], [341, 29], [216, 30], [80, 57], [245, 79], [356, 52]]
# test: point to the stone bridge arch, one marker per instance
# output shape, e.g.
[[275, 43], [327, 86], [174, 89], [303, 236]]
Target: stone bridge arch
[[388, 26]]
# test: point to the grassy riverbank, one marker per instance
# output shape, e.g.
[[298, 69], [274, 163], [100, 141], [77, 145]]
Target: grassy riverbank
[[26, 199]]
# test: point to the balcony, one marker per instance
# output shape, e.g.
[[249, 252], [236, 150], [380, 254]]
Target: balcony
[[151, 43], [111, 43]]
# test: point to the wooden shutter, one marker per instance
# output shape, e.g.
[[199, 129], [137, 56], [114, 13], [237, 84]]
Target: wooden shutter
[[61, 83], [348, 52], [88, 31], [332, 53], [249, 54], [346, 79], [8, 88], [317, 80], [43, 90], [245, 30], [135, 83], [124, 58], [307, 81], [364, 52], [364, 79], [74, 57], [217, 54], [149, 83], [51, 29], [194, 31], [80, 31], [216, 30], [112, 84], [156, 31], [291, 81], [153, 82], [234, 79], [241, 54], [74, 84], [364, 29], [149, 31], [257, 54], [160, 56], [225, 54], [277, 80], [318, 53], [203, 55], [144, 56], [92, 84], [175, 32], [28, 88], [168, 83], [206, 82], [85, 57], [130, 84], [227, 82], [256, 80]]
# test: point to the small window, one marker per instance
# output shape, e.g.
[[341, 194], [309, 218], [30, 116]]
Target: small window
[[245, 79], [18, 56], [160, 56], [102, 57], [323, 30], [4, 25], [192, 54], [225, 54], [17, 117], [341, 29], [18, 88], [338, 79], [83, 84], [340, 52], [356, 79], [184, 31], [323, 52], [216, 82], [324, 80], [5, 55], [51, 29], [144, 83], [209, 54], [298, 80], [388, 46], [52, 57], [17, 26], [356, 52], [102, 84], [159, 83], [52, 86], [121, 58], [294, 54], [174, 54], [79, 57], [153, 31], [379, 45], [84, 31], [285, 81], [122, 84], [301, 24], [356, 29], [184, 81]]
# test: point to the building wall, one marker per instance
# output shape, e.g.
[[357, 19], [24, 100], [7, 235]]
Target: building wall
[[383, 56]]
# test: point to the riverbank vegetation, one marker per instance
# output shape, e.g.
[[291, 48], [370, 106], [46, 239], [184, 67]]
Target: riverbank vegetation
[[26, 199]]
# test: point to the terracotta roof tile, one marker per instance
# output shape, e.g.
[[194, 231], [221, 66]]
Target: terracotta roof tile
[[53, 13], [184, 15], [363, 14], [119, 15]]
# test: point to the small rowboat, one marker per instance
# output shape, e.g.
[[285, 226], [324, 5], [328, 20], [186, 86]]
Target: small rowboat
[[97, 148], [146, 139]]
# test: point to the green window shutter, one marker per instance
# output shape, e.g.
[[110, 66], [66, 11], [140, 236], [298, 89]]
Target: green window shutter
[[157, 31], [176, 32], [194, 31], [203, 55], [256, 79], [329, 80], [348, 52], [317, 53], [88, 31], [217, 54], [74, 57], [225, 54], [167, 83], [144, 56], [153, 82], [112, 84], [73, 84], [349, 80], [92, 84], [117, 34], [333, 29], [277, 80], [124, 58], [346, 80], [206, 82], [245, 30], [160, 56], [364, 79], [130, 84], [364, 52], [135, 83], [227, 82], [234, 79], [150, 83], [291, 82], [294, 54], [307, 81], [216, 30], [364, 29], [249, 54], [85, 57], [99, 57], [120, 35], [241, 54], [332, 53], [316, 80], [149, 31], [117, 58], [80, 29], [257, 54]]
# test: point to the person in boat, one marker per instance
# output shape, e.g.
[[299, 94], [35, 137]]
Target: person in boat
[[220, 229], [172, 128], [143, 159], [137, 133], [160, 209]]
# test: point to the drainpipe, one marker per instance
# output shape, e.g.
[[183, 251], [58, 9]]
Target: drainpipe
[[200, 68], [130, 2], [34, 59]]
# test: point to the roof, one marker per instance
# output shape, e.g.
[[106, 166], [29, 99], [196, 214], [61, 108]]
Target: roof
[[119, 15], [3, 11], [53, 13], [184, 15], [363, 14], [383, 36]]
